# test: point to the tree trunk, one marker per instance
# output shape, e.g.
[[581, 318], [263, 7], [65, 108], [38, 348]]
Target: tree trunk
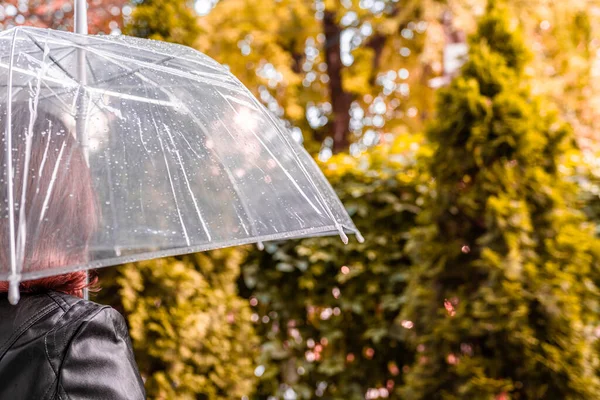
[[340, 99], [377, 42]]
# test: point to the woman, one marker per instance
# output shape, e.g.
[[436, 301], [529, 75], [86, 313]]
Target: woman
[[53, 344]]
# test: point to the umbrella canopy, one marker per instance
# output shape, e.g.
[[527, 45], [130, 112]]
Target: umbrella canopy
[[118, 149]]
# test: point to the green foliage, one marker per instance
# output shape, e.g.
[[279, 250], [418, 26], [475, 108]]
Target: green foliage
[[169, 20], [587, 175], [192, 334], [502, 294], [326, 311], [583, 168], [498, 300], [494, 29]]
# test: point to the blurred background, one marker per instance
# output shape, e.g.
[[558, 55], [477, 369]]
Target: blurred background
[[462, 137]]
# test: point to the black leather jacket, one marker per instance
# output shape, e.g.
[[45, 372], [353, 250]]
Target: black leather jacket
[[54, 346]]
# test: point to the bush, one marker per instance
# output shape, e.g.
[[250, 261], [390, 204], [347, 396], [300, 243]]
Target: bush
[[327, 312], [192, 334]]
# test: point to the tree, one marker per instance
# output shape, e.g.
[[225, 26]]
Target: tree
[[563, 68], [104, 16], [503, 292], [565, 61], [341, 72], [170, 21], [325, 311], [191, 332]]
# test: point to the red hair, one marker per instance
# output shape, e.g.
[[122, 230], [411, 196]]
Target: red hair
[[72, 283], [60, 205]]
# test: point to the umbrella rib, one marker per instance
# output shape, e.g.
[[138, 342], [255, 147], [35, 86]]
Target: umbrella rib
[[187, 183], [227, 170], [57, 63], [245, 207], [236, 189], [65, 56], [108, 41], [35, 51], [133, 72], [231, 178], [204, 226], [29, 55], [14, 276], [51, 184], [53, 177], [33, 109], [55, 95], [285, 171], [211, 80], [115, 219], [29, 73], [125, 96], [183, 227], [185, 233], [297, 159], [87, 60], [133, 97], [52, 58]]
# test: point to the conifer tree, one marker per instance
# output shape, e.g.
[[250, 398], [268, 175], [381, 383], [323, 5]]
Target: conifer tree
[[502, 294]]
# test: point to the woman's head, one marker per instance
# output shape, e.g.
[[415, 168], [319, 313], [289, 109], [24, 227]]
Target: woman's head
[[53, 197]]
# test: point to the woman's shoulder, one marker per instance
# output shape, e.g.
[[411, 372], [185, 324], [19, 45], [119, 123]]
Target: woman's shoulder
[[83, 343], [75, 308], [39, 314], [78, 315]]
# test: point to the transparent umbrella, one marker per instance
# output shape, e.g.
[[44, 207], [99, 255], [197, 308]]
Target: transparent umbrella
[[118, 149]]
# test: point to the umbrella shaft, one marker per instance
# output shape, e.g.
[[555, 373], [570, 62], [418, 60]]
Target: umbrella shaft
[[81, 23], [81, 27]]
